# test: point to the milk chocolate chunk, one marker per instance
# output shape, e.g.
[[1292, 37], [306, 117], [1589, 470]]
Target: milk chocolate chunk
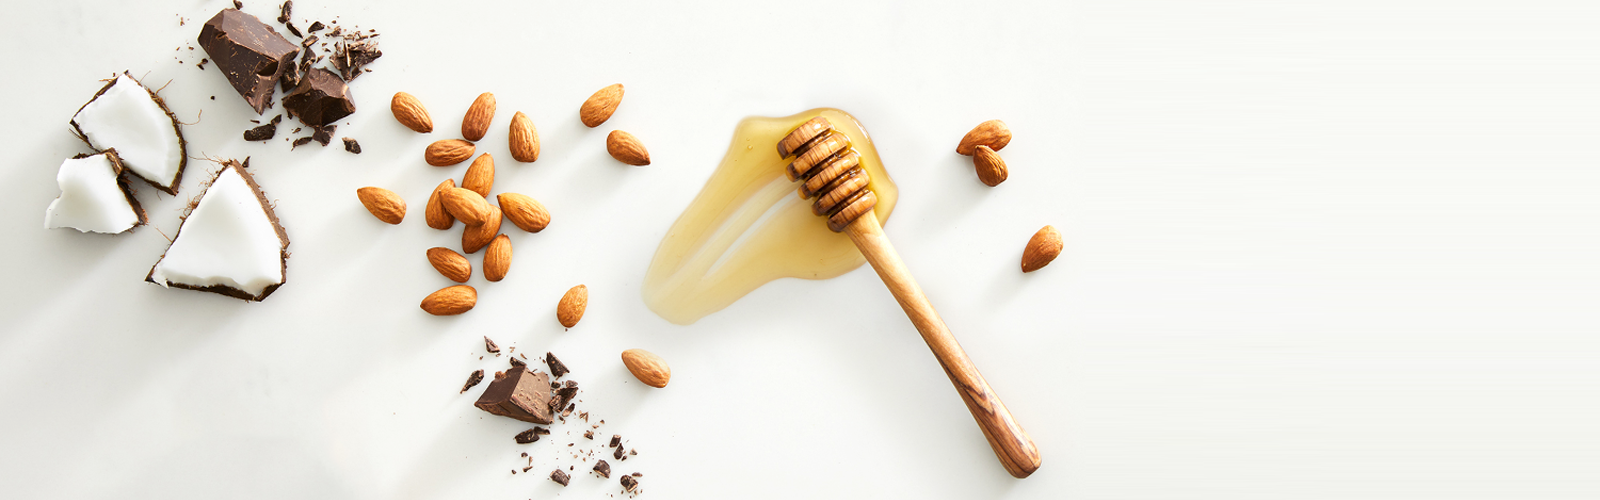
[[519, 394], [321, 98], [251, 54]]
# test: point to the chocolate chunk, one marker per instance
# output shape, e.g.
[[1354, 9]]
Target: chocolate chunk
[[517, 362], [323, 135], [290, 26], [351, 145], [472, 380], [588, 435], [250, 54], [529, 436], [616, 439], [519, 394], [300, 142], [557, 368], [617, 454], [308, 41], [353, 52], [290, 78], [263, 132], [320, 99], [489, 345], [283, 14], [315, 27], [568, 412], [559, 476], [564, 395], [629, 483], [238, 5], [603, 469]]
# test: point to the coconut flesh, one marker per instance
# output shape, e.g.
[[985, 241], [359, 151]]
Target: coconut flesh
[[126, 117], [227, 241], [91, 198]]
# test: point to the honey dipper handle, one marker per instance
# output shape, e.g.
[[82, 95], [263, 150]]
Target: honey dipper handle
[[1011, 444]]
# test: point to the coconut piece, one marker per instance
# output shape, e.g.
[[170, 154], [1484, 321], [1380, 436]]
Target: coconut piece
[[251, 54], [94, 198], [230, 243], [130, 118]]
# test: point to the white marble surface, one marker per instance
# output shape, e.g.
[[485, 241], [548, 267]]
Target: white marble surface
[[1314, 250]]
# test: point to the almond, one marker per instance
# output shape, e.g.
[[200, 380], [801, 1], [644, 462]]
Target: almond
[[436, 215], [448, 152], [992, 133], [475, 237], [524, 211], [467, 205], [626, 148], [409, 112], [599, 107], [480, 176], [571, 307], [383, 203], [647, 367], [1042, 248], [451, 264], [497, 259], [478, 117], [991, 168], [524, 139], [450, 300]]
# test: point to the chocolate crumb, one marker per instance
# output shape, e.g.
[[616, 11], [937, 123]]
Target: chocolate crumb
[[526, 469], [603, 469], [315, 27], [351, 145], [300, 142], [616, 439], [557, 368], [633, 451], [292, 29], [513, 472], [525, 454], [628, 483], [568, 412], [308, 41], [323, 135], [517, 362], [636, 474], [541, 430], [285, 10], [559, 476], [589, 435], [489, 345], [238, 5], [202, 63], [617, 454], [261, 133], [472, 380], [528, 436]]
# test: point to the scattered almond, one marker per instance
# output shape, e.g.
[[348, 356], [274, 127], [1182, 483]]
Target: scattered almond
[[524, 211], [571, 307], [467, 205], [992, 133], [524, 139], [409, 112], [476, 124], [383, 203], [480, 176], [451, 264], [497, 259], [1042, 248], [647, 367], [599, 107], [448, 152], [450, 300], [991, 168], [475, 237], [435, 213], [626, 148]]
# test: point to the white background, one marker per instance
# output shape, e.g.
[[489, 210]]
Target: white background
[[1325, 250]]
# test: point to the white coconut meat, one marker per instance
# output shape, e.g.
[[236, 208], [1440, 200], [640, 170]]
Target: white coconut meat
[[127, 117], [229, 244], [92, 199]]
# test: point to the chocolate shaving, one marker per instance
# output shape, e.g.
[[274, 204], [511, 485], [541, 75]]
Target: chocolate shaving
[[517, 362], [557, 368], [307, 41], [489, 345], [541, 430], [472, 380], [603, 469], [528, 436], [292, 29], [300, 142], [315, 27], [283, 16], [353, 52], [559, 476]]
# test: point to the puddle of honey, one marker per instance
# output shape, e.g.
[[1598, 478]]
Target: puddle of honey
[[748, 225]]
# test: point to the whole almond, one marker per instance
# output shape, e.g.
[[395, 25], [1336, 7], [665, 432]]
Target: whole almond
[[647, 367], [626, 148], [571, 307], [497, 259], [474, 238], [409, 112], [435, 213], [467, 205], [1042, 248], [383, 203], [480, 176], [524, 211], [448, 152], [451, 264], [991, 168], [476, 123], [992, 133], [524, 139], [599, 107], [450, 300]]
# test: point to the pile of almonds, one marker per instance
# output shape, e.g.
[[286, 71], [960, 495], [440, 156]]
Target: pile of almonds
[[983, 144]]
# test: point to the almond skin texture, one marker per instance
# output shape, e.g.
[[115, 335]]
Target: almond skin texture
[[435, 213], [647, 367], [992, 133], [524, 139], [571, 307], [448, 152], [626, 148], [409, 112], [991, 168], [450, 300], [480, 176], [383, 203], [497, 259], [476, 123], [467, 205], [474, 238], [524, 211], [1042, 248], [599, 107], [451, 264]]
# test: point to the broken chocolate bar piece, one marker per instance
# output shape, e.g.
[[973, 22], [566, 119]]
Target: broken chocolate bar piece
[[351, 145], [629, 483], [251, 54], [264, 132], [519, 394], [320, 99], [564, 395], [559, 476], [603, 469], [290, 26], [489, 345], [472, 380], [315, 27], [557, 368], [529, 436]]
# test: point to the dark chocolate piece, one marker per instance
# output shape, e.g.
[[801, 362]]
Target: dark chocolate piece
[[290, 78], [528, 436], [541, 430], [564, 395], [315, 27], [292, 29], [568, 412], [517, 362], [264, 132], [588, 435], [617, 454], [283, 13], [323, 135], [249, 53], [559, 476], [320, 99], [616, 439], [489, 345], [308, 41], [238, 5], [472, 380], [354, 52], [636, 474], [528, 468], [519, 394], [603, 469], [202, 63], [300, 142], [557, 368], [629, 483]]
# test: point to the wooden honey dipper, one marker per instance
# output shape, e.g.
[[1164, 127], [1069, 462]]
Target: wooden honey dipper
[[831, 172]]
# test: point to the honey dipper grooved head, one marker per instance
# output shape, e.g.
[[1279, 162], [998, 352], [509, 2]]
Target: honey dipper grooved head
[[830, 170]]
